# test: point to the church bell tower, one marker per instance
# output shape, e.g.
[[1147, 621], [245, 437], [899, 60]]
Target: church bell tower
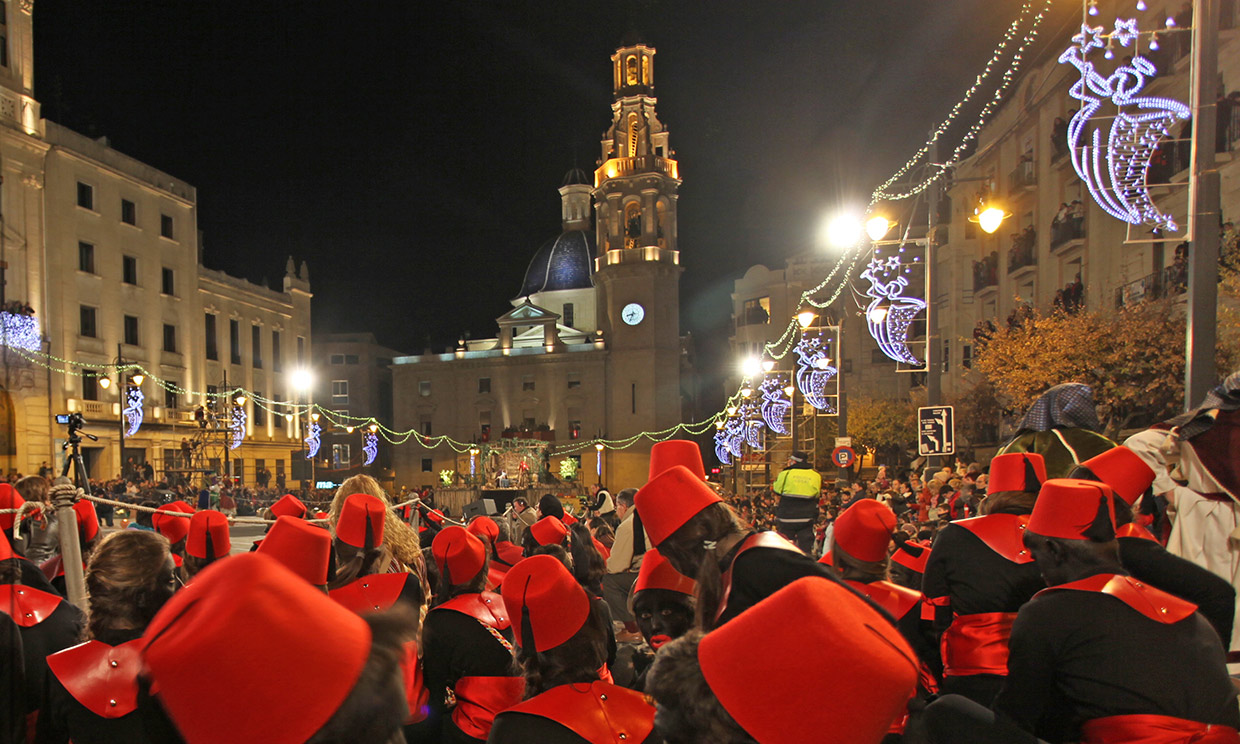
[[637, 269]]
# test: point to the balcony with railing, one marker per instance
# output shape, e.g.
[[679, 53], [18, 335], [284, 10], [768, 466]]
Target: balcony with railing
[[1068, 225], [1025, 176], [621, 167], [986, 272], [1023, 252], [1171, 281]]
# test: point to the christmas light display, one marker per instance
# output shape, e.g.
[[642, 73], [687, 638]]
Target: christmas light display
[[1115, 171], [775, 405], [446, 476], [814, 370], [19, 331], [312, 440], [370, 446], [568, 468], [133, 410], [722, 453], [751, 425], [890, 312], [237, 427]]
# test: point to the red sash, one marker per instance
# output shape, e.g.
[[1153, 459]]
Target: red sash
[[28, 607], [756, 540], [977, 644], [1154, 603], [599, 713], [891, 597], [1132, 529], [371, 593], [485, 607], [1001, 533], [1152, 729], [480, 699], [102, 678]]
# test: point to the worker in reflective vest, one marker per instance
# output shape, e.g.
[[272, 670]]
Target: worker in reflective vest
[[798, 488]]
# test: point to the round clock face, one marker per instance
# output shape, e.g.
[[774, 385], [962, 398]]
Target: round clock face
[[633, 313]]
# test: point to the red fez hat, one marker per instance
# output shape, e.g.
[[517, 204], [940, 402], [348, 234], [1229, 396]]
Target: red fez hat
[[208, 535], [361, 521], [657, 573], [9, 499], [544, 599], [670, 499], [913, 555], [1016, 471], [319, 515], [549, 531], [169, 525], [289, 506], [1074, 510], [303, 548], [458, 554], [664, 455], [484, 528], [246, 625], [569, 520], [828, 558], [820, 637], [864, 530], [1122, 470], [87, 519], [6, 549]]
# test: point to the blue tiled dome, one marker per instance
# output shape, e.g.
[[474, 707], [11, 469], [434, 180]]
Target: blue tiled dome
[[564, 262]]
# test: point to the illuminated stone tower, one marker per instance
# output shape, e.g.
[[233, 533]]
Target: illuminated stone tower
[[637, 270]]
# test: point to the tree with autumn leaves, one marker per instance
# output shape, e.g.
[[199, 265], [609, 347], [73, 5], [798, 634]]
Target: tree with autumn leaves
[[1133, 358]]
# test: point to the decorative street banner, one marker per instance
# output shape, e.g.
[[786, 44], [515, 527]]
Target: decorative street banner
[[936, 431]]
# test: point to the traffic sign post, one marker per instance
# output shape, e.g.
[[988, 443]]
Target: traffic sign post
[[936, 431], [843, 457]]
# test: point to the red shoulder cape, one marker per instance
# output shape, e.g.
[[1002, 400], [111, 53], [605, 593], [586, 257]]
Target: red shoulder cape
[[485, 607], [891, 597], [28, 607], [1132, 529], [1153, 603], [103, 678], [600, 713], [371, 593], [1001, 533]]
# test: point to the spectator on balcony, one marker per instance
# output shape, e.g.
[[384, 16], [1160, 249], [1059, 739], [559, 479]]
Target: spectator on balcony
[[1059, 136]]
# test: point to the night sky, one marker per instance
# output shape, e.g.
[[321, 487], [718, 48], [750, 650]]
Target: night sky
[[411, 152]]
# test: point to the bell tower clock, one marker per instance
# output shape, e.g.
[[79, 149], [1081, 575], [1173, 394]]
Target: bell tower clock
[[637, 270]]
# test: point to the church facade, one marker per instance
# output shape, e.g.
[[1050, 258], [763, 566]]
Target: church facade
[[592, 347]]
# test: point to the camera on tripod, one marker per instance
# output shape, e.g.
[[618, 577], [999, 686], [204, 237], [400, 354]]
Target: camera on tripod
[[73, 420]]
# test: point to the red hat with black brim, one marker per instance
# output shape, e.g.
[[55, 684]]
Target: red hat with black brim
[[458, 554], [549, 531], [248, 625], [9, 499], [1121, 469], [821, 637], [167, 523], [864, 530], [547, 605], [361, 521], [208, 535], [302, 547], [1016, 471], [657, 573], [289, 506], [671, 499], [1070, 509], [484, 528], [664, 455]]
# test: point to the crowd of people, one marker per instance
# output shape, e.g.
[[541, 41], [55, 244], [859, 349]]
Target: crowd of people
[[1071, 589]]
